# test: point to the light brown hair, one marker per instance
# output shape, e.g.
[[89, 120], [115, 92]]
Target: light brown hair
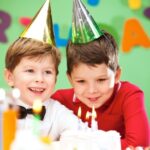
[[27, 47], [102, 50]]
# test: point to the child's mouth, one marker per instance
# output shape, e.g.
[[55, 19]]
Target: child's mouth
[[37, 90], [93, 99]]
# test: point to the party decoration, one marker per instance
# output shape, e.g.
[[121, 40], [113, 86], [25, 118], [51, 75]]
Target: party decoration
[[147, 12], [41, 27], [93, 2], [5, 21], [25, 21], [84, 28], [135, 4], [134, 35], [61, 42]]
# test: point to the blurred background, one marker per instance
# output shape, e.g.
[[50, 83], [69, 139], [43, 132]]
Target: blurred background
[[127, 20]]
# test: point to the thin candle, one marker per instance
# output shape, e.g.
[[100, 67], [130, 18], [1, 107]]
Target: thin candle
[[87, 116], [9, 127], [79, 112], [9, 117], [79, 116], [94, 125], [94, 115], [2, 98], [1, 130]]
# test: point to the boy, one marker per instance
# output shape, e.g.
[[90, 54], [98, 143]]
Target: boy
[[32, 67], [94, 73]]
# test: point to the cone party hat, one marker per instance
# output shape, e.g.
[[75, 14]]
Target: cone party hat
[[84, 28], [41, 27]]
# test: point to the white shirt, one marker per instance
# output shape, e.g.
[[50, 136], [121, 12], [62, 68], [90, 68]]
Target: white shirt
[[57, 119]]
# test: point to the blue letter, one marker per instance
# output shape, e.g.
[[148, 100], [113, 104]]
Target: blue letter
[[93, 2], [60, 42]]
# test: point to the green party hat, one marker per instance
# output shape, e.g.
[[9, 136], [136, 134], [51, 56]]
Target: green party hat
[[41, 27], [84, 28]]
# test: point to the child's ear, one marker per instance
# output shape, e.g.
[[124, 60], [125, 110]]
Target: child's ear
[[9, 77], [118, 75]]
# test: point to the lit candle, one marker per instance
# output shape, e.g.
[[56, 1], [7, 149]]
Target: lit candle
[[9, 127], [37, 108], [9, 117], [1, 130], [79, 116], [2, 97], [94, 125], [87, 118]]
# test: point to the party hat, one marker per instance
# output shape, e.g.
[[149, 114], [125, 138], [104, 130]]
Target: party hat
[[84, 28], [41, 27]]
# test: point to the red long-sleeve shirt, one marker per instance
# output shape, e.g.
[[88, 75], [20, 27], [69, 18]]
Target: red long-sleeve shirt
[[123, 112]]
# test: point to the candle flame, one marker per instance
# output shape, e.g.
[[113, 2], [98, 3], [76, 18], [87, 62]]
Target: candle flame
[[94, 115], [79, 112], [37, 106], [87, 115]]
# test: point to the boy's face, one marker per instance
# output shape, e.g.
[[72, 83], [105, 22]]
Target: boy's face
[[35, 78], [93, 85]]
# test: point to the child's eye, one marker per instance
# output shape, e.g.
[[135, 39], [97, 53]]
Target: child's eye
[[48, 72], [30, 70], [101, 80], [80, 81]]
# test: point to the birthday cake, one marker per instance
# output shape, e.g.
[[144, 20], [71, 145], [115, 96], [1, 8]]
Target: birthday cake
[[70, 140], [90, 140]]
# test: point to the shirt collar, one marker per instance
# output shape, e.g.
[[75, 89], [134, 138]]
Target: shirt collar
[[21, 103], [75, 99]]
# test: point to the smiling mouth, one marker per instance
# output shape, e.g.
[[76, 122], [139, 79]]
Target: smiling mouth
[[93, 99], [37, 90]]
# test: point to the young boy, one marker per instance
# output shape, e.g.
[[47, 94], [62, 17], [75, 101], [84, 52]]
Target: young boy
[[32, 67], [94, 73]]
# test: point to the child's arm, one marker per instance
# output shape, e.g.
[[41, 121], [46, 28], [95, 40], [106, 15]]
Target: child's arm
[[136, 122]]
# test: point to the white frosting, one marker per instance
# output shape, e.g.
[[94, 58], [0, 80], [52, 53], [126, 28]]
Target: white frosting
[[26, 140], [70, 140], [93, 140]]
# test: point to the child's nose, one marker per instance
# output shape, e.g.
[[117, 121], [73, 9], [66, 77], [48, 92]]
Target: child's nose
[[92, 88], [39, 77]]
